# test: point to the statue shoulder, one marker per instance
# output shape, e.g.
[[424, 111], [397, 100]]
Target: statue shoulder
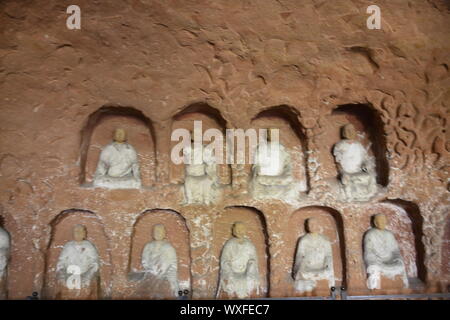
[[304, 238], [167, 245], [107, 151], [108, 147], [230, 243], [340, 147], [170, 249], [88, 244], [341, 143], [67, 248], [250, 244], [149, 245], [130, 147], [372, 232], [390, 234], [377, 233], [324, 239], [69, 244]]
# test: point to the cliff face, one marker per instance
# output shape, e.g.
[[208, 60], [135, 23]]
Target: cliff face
[[306, 67]]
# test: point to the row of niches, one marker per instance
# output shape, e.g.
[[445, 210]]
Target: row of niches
[[119, 151], [312, 254]]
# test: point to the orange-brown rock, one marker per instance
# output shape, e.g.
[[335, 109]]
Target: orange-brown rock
[[305, 67]]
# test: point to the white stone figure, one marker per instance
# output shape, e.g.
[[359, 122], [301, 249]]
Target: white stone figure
[[356, 167], [201, 180], [382, 254], [5, 244], [313, 260], [159, 260], [239, 272], [78, 263], [118, 166], [272, 172]]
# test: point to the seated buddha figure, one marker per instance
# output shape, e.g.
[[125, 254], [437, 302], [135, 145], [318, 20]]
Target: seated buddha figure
[[382, 255], [77, 267], [118, 166], [314, 259], [239, 272], [356, 167], [159, 260]]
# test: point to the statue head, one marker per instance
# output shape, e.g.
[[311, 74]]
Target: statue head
[[79, 232], [120, 135], [313, 225], [159, 232], [380, 221], [349, 132], [239, 230]]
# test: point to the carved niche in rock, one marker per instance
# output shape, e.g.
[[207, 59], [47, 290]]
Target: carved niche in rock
[[313, 259], [272, 170], [201, 182], [382, 255], [280, 174], [160, 263], [298, 241], [239, 272], [202, 129], [78, 267], [118, 166], [356, 167]]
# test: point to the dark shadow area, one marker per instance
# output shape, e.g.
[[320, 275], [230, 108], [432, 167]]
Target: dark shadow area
[[416, 218], [205, 109]]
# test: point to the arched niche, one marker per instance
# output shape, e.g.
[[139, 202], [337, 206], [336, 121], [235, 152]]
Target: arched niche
[[332, 227], [405, 221], [292, 136], [61, 233], [98, 132], [210, 117], [368, 123], [177, 234], [256, 232]]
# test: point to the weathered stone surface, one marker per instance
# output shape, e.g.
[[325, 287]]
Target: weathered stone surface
[[138, 64]]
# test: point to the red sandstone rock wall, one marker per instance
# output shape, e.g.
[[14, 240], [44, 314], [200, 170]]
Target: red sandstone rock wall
[[141, 63]]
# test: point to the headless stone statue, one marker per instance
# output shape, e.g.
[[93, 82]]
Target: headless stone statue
[[313, 260], [356, 168], [5, 244], [200, 184], [77, 267], [159, 260], [272, 171], [382, 255], [118, 167], [239, 274]]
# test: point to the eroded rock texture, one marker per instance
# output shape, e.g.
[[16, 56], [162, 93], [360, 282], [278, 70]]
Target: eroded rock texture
[[306, 67]]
